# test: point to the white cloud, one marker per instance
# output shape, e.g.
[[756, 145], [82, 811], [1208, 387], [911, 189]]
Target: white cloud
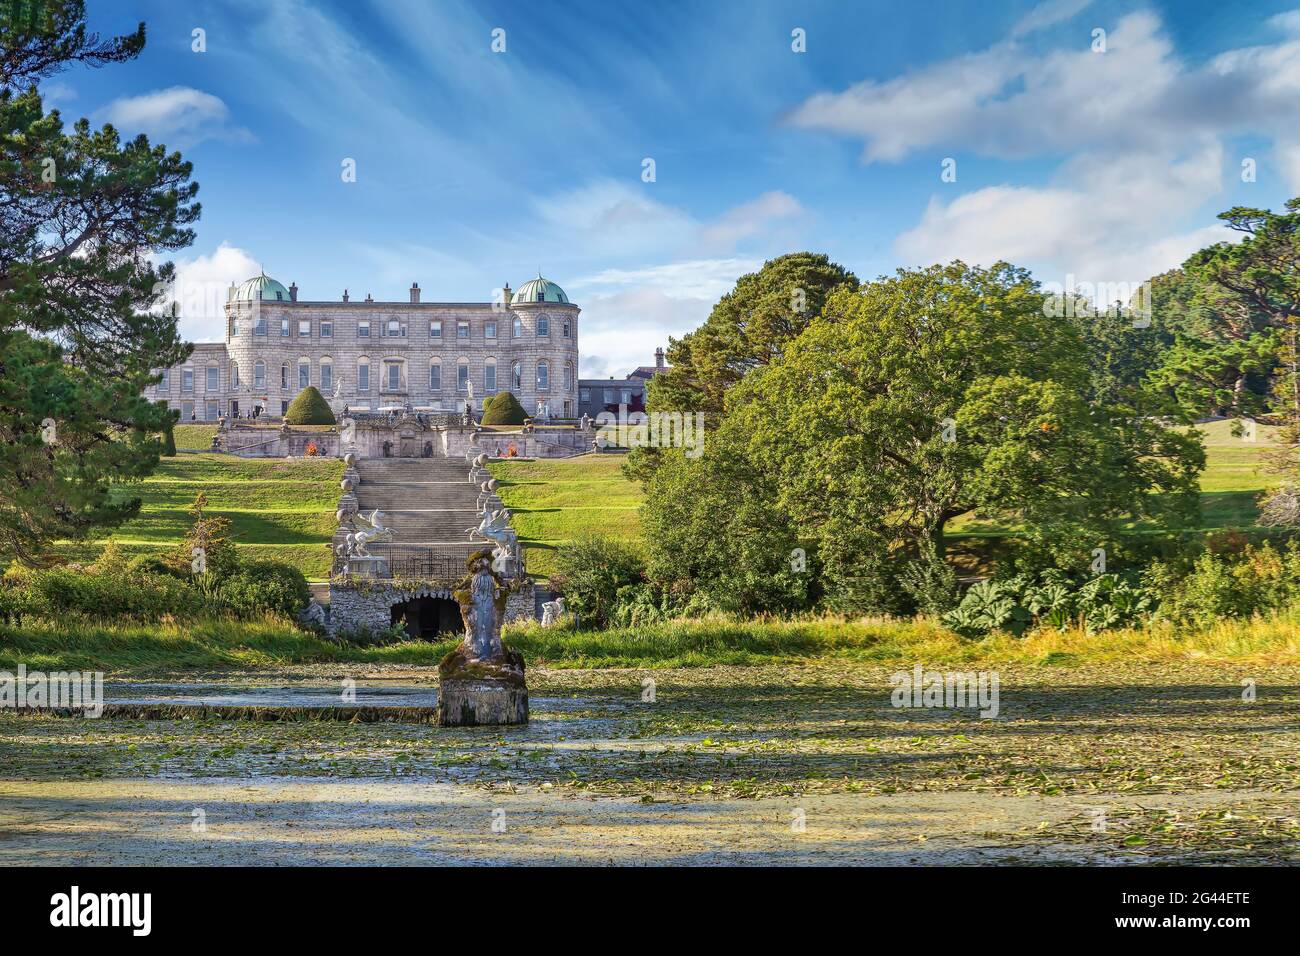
[[179, 117], [754, 218], [1046, 14], [200, 290]]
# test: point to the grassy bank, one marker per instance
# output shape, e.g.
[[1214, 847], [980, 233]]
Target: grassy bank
[[278, 509], [216, 644]]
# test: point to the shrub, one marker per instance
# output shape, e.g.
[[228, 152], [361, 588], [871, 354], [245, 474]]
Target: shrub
[[261, 586], [1051, 599], [591, 572], [58, 592], [219, 556], [1226, 584], [309, 408], [503, 409]]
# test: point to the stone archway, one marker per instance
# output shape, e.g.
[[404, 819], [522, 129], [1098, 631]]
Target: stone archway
[[427, 617]]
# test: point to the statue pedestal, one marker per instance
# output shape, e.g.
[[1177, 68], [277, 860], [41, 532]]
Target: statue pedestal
[[368, 566], [482, 693]]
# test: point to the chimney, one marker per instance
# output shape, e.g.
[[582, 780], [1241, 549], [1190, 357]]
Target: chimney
[[345, 295], [415, 292], [369, 297], [659, 358], [293, 292], [505, 294]]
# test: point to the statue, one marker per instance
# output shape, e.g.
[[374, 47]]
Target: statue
[[552, 611], [494, 528], [359, 540], [481, 682]]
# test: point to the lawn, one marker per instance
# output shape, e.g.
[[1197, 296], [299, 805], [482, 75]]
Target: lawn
[[555, 501], [278, 509]]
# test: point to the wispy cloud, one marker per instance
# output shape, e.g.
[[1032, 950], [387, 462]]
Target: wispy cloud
[[181, 117]]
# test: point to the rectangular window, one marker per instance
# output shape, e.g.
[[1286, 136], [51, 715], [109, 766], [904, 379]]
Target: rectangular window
[[568, 378], [187, 411], [259, 376], [363, 378], [284, 406], [462, 378], [166, 384], [304, 328], [462, 330], [516, 328], [568, 329], [212, 412], [363, 329], [259, 327], [395, 329], [234, 328], [213, 384], [490, 329], [435, 329], [543, 326], [304, 375], [284, 328], [435, 378], [543, 377], [625, 397], [326, 329], [608, 397], [326, 376], [394, 377], [490, 378], [187, 380], [585, 395], [284, 376]]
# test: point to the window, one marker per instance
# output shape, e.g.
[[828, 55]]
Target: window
[[543, 326], [187, 380], [166, 384], [516, 377], [213, 383], [284, 328], [234, 328], [625, 397], [490, 329], [517, 328], [284, 407], [490, 376], [212, 411], [435, 329], [187, 411], [326, 329], [584, 395], [259, 327], [284, 376], [326, 375], [259, 374], [363, 375], [462, 377], [568, 329], [435, 377], [608, 397], [304, 328], [462, 330], [543, 376], [363, 329], [394, 373], [304, 373], [568, 376], [395, 329], [234, 375]]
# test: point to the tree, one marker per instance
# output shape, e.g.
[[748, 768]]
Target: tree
[[309, 408], [503, 409], [80, 216], [749, 327], [939, 393]]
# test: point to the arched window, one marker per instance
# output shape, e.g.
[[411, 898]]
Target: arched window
[[435, 375], [326, 374], [234, 375], [516, 377], [543, 376], [259, 374], [284, 376], [363, 374], [543, 325], [304, 372], [517, 328], [490, 375], [568, 376], [462, 375]]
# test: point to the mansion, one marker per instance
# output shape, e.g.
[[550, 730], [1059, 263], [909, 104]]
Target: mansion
[[374, 356]]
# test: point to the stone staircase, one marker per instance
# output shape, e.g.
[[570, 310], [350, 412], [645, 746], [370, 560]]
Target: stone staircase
[[428, 502]]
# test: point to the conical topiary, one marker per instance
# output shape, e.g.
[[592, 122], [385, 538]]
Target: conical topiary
[[503, 409], [309, 408]]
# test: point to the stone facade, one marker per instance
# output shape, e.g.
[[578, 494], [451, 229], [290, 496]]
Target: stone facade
[[375, 355], [370, 604]]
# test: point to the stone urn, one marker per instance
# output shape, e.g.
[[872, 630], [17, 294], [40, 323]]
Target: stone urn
[[481, 682]]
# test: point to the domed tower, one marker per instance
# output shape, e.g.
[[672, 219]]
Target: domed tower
[[544, 333], [256, 312]]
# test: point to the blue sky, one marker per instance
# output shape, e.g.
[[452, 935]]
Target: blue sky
[[475, 168]]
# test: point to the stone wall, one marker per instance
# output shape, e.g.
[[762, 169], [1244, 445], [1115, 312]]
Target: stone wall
[[370, 605], [272, 441]]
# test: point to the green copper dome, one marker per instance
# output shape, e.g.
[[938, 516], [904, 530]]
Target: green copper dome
[[260, 287], [539, 290]]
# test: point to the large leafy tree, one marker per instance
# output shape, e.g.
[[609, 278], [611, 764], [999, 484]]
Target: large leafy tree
[[81, 214], [934, 394]]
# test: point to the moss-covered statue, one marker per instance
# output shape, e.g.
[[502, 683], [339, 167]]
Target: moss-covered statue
[[482, 680]]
